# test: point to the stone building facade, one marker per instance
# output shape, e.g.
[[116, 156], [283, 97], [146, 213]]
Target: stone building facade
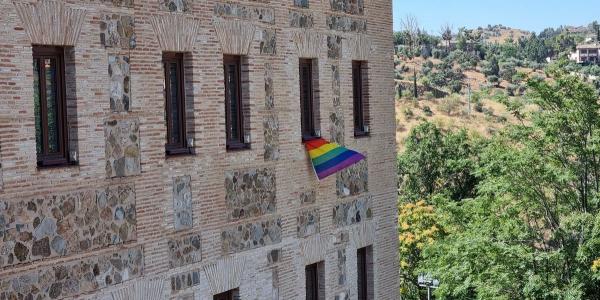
[[125, 221]]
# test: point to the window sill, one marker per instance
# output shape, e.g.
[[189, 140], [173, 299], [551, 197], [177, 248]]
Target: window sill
[[236, 147], [175, 152], [361, 134], [309, 138], [56, 164]]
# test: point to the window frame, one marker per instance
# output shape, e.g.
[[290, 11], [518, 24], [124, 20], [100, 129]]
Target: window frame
[[364, 268], [358, 98], [180, 147], [233, 143], [316, 274], [45, 159], [228, 295], [308, 131]]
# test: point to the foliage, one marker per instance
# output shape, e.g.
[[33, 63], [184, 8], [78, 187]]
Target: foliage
[[491, 67], [493, 79], [417, 227], [427, 111], [507, 71], [529, 225], [450, 104]]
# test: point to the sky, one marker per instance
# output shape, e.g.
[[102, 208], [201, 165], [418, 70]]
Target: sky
[[531, 15]]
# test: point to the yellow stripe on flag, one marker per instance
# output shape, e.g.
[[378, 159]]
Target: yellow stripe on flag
[[322, 150]]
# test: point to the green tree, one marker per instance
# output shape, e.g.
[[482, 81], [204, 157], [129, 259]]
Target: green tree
[[532, 228]]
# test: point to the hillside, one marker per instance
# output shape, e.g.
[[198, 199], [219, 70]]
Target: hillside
[[500, 34]]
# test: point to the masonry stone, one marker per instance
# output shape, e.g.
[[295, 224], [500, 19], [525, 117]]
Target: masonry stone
[[183, 281], [118, 31], [251, 236], [341, 267], [355, 7], [356, 211], [250, 193], [119, 74], [182, 202], [354, 180], [59, 225], [300, 19], [122, 148], [176, 5], [252, 13], [268, 42], [308, 222], [72, 278], [308, 197], [185, 250], [301, 3], [346, 24], [334, 46]]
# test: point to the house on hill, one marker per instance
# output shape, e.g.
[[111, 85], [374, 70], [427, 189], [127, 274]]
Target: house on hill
[[587, 53]]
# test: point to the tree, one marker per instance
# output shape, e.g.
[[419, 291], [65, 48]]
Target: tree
[[446, 33], [491, 67], [410, 27], [532, 228]]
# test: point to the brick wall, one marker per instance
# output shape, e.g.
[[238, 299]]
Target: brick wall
[[128, 219]]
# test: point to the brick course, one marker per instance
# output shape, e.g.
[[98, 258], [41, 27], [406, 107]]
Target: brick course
[[137, 158]]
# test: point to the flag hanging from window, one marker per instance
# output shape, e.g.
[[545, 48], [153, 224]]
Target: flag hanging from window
[[328, 158]]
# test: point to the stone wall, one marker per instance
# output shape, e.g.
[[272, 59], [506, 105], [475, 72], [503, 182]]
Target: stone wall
[[186, 225], [185, 250], [350, 213], [73, 278], [118, 31], [119, 74], [250, 193], [353, 180], [122, 148], [182, 202], [251, 236], [66, 224]]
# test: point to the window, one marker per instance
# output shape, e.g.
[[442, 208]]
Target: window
[[308, 103], [315, 281], [175, 104], [50, 106], [359, 94], [364, 270], [229, 295], [234, 110]]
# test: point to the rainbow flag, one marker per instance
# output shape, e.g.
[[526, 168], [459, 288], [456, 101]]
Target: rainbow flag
[[328, 158]]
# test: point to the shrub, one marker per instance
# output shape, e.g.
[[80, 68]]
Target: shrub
[[507, 71], [456, 86], [493, 79], [429, 95], [511, 89], [450, 104], [479, 106], [427, 111], [408, 113], [397, 74]]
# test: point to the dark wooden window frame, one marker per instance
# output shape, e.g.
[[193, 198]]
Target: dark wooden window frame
[[234, 143], [46, 159], [179, 147], [358, 95], [228, 295], [364, 273], [314, 273], [307, 108]]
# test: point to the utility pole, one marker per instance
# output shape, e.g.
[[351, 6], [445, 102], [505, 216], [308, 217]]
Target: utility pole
[[469, 92], [427, 282]]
